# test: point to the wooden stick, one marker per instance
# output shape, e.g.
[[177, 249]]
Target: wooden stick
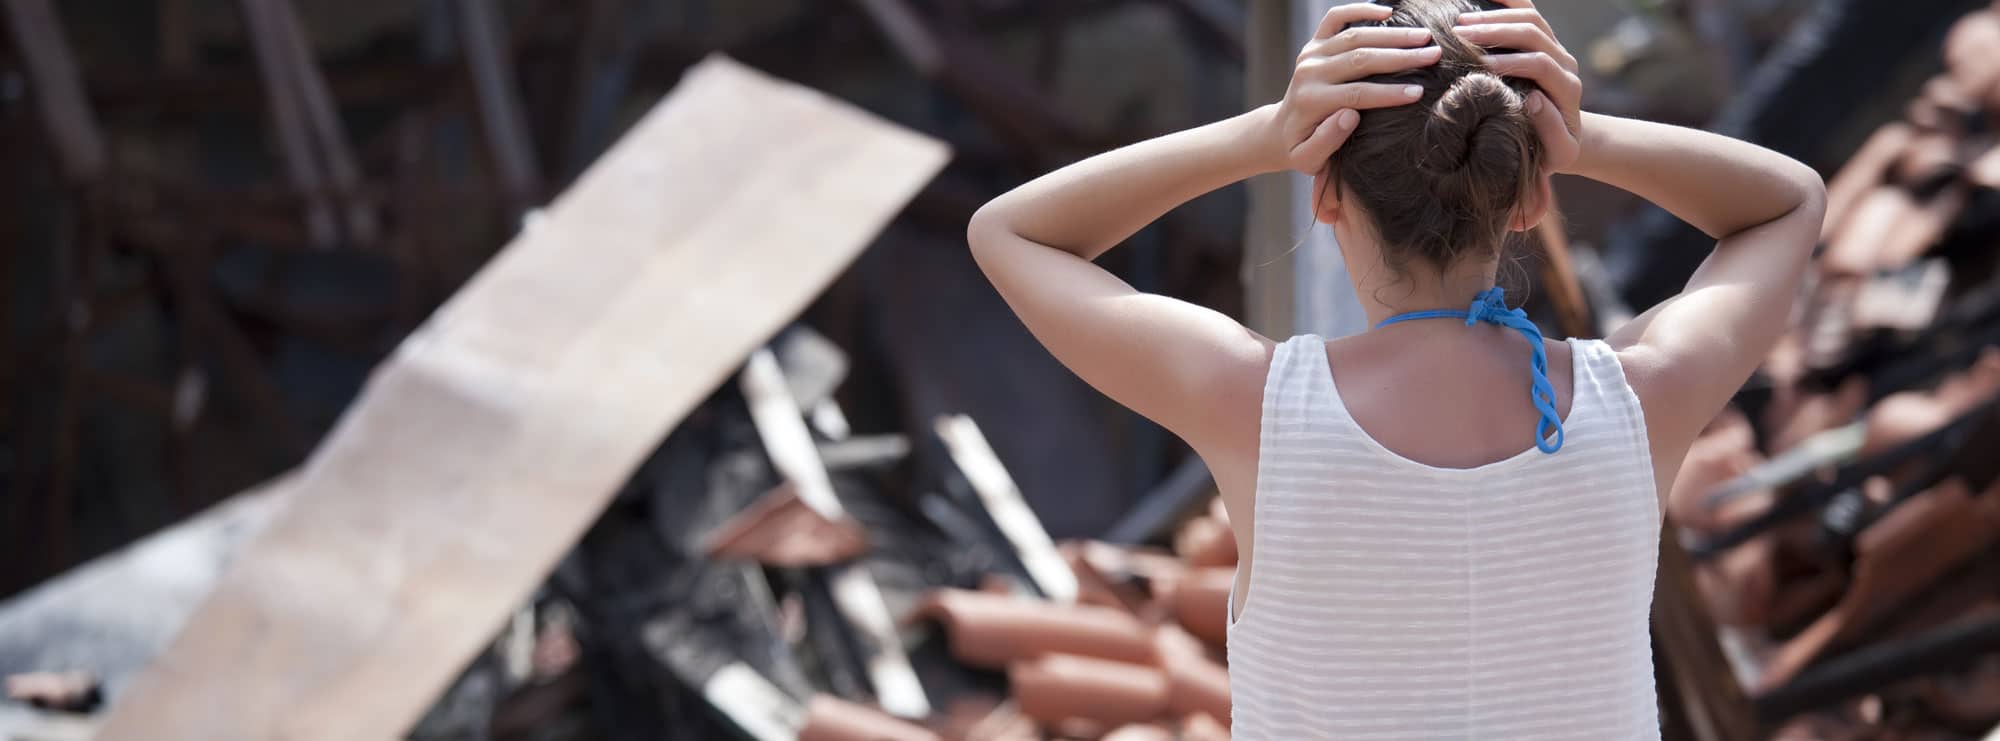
[[789, 443], [982, 468]]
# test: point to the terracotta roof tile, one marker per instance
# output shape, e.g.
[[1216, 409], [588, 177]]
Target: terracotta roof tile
[[1862, 173], [1200, 727], [1206, 541], [1972, 51], [1201, 603], [992, 631], [1060, 687], [833, 719], [1139, 732], [780, 530]]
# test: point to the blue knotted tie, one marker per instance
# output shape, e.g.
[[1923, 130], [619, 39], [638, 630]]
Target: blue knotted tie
[[1490, 306]]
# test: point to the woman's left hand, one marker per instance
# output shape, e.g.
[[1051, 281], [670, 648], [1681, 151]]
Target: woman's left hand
[[1558, 107]]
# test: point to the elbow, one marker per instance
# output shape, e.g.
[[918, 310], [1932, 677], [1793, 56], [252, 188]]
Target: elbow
[[988, 228], [1811, 188]]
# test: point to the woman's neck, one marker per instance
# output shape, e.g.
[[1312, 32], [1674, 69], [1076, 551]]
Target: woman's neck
[[1384, 294]]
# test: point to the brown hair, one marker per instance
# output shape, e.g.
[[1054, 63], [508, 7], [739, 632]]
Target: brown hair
[[1441, 178]]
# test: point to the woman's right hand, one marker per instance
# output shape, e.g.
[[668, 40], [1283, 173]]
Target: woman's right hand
[[1558, 107], [1323, 103]]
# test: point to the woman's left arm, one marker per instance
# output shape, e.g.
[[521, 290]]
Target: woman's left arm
[[1192, 370]]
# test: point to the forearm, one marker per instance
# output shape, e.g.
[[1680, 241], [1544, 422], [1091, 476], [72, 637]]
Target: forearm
[[1092, 205], [1720, 185]]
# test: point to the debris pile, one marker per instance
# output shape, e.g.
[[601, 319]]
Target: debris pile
[[1845, 511]]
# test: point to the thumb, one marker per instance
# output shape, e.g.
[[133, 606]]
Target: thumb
[[1557, 139], [1326, 139]]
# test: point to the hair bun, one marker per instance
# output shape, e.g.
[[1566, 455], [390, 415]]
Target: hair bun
[[1475, 121]]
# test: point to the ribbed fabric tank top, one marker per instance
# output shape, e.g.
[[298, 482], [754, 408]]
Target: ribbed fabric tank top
[[1389, 599]]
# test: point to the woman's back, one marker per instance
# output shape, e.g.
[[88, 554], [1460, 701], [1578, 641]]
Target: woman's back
[[1393, 599]]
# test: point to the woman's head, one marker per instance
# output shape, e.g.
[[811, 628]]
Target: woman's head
[[1439, 182]]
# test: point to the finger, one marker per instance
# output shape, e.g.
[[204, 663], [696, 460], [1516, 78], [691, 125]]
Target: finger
[[1363, 37], [1557, 137], [1326, 100], [1325, 140], [1524, 15], [1561, 85], [1529, 4], [1365, 62], [1342, 15], [1523, 37]]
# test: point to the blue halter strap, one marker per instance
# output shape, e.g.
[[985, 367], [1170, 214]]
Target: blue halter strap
[[1490, 306]]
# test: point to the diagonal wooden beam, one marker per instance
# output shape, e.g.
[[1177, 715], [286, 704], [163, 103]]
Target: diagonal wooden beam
[[66, 115], [485, 45], [500, 429]]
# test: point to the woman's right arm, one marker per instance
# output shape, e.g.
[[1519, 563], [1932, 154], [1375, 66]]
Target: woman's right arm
[[1687, 356]]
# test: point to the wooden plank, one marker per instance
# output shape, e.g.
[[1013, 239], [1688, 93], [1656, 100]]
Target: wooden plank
[[66, 114], [493, 437], [789, 443], [996, 489]]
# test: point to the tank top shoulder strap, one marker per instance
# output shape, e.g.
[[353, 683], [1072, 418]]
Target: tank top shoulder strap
[[1603, 396], [1299, 379]]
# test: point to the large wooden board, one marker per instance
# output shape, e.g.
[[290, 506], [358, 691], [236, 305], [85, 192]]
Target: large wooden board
[[500, 429]]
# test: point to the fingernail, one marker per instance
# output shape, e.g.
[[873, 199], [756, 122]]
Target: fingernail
[[1413, 91], [1347, 119]]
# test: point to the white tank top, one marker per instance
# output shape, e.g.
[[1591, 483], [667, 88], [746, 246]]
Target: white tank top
[[1389, 599]]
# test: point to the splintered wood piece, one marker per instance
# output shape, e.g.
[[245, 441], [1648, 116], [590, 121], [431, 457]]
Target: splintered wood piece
[[501, 428], [789, 443], [982, 468], [66, 114]]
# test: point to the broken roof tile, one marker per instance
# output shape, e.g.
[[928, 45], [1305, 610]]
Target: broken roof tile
[[992, 631], [1206, 541], [1060, 687], [781, 530], [830, 718], [1201, 603]]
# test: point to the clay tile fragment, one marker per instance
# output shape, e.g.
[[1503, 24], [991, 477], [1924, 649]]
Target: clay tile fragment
[[1060, 688], [1201, 603], [991, 631], [1206, 541], [781, 530], [1930, 156], [1196, 684], [1876, 218], [1972, 51], [1094, 586], [1139, 732], [65, 691], [1199, 727], [1863, 172], [833, 719], [1985, 170]]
